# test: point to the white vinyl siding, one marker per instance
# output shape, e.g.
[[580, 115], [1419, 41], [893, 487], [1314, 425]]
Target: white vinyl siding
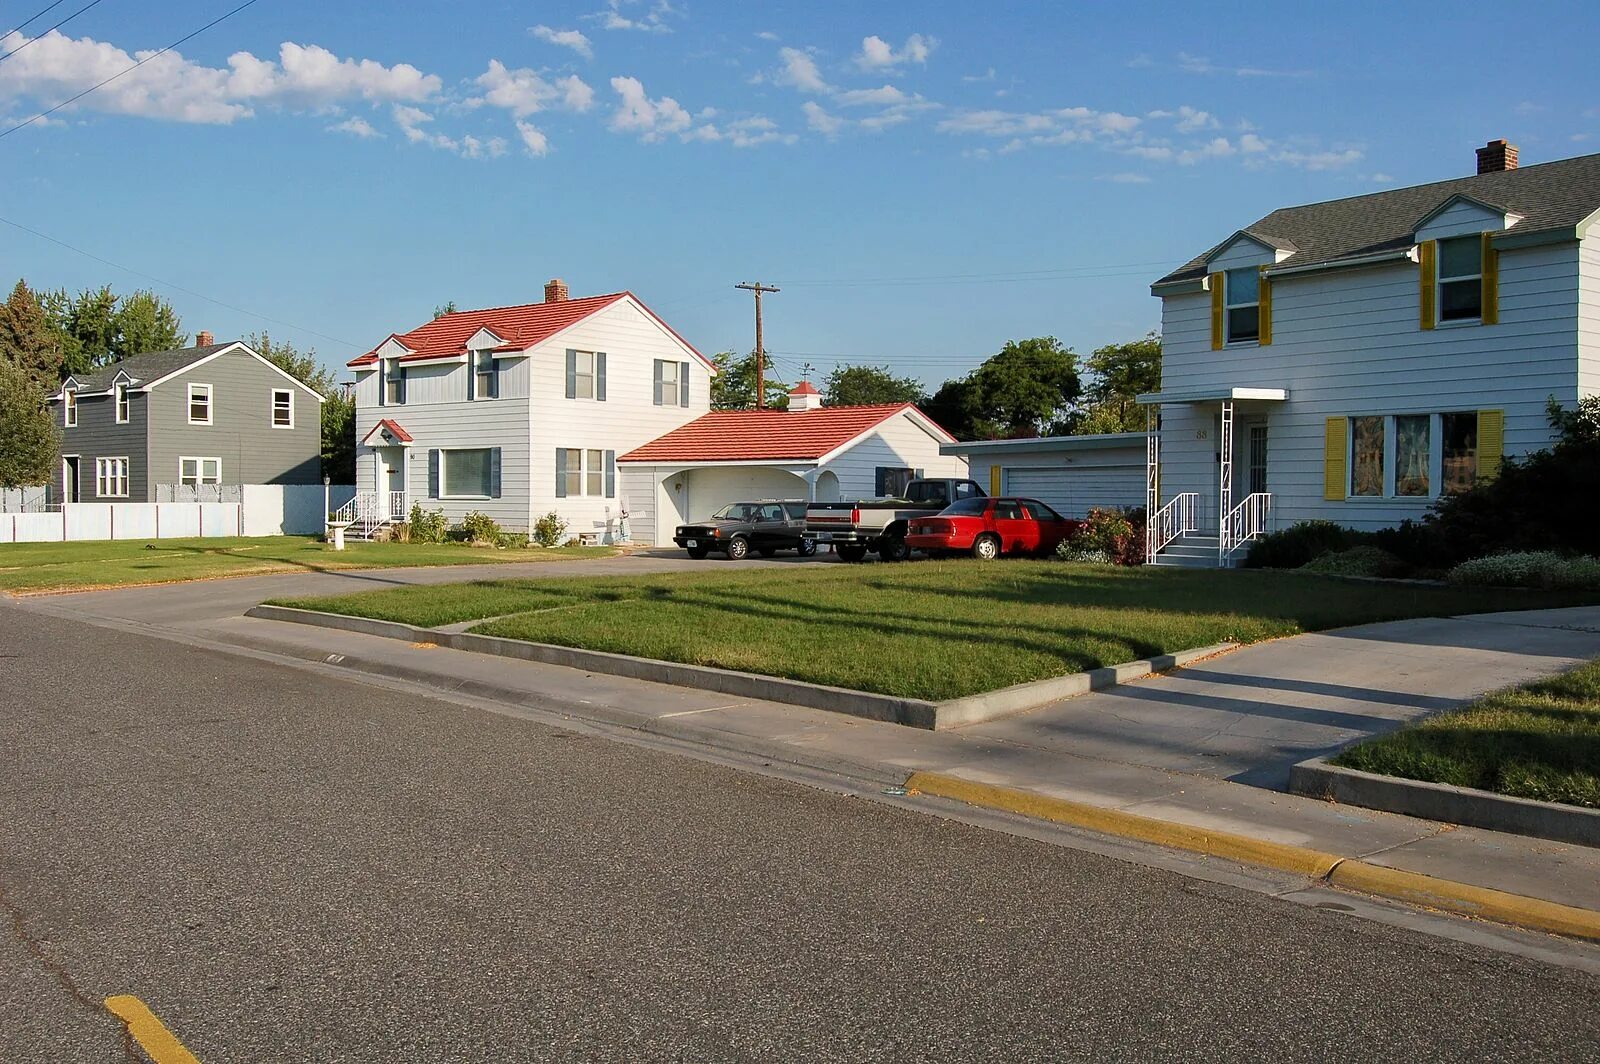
[[1346, 343], [200, 404], [111, 478]]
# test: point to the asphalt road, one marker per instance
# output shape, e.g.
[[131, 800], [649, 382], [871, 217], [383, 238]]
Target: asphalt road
[[290, 868]]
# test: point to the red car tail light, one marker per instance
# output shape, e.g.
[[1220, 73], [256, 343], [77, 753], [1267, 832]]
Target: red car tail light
[[855, 515]]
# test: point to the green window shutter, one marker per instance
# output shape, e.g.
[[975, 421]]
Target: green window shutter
[[611, 474], [1427, 252], [494, 472], [1265, 312], [572, 374], [433, 473], [683, 384], [1491, 282], [659, 367], [561, 472], [1216, 312], [1335, 458], [1491, 443], [600, 376]]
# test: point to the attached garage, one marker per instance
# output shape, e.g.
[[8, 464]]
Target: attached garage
[[1073, 474], [710, 489]]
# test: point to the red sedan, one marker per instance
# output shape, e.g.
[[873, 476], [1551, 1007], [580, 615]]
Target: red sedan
[[989, 528]]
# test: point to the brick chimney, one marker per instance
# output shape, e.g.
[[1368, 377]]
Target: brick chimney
[[804, 396], [1497, 156], [555, 291], [204, 339]]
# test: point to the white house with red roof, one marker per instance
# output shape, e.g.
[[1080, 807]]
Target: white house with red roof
[[808, 452], [519, 411]]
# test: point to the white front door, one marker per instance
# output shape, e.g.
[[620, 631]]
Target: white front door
[[391, 479]]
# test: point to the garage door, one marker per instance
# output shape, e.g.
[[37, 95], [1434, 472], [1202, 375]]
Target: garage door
[[1073, 490], [712, 489]]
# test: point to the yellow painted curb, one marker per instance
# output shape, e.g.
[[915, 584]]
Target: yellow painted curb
[[1297, 859], [1466, 899], [158, 1043], [1412, 888]]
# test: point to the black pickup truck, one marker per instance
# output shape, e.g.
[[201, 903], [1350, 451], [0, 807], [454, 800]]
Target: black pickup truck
[[766, 527]]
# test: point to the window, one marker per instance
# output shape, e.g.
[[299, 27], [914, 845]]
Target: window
[[1461, 279], [1459, 438], [199, 404], [69, 407], [893, 481], [1242, 289], [1008, 510], [194, 472], [595, 471], [468, 474], [1258, 459], [583, 375], [1366, 453], [120, 392], [971, 506], [1041, 512], [111, 478], [394, 383], [795, 510], [672, 383], [282, 408], [1412, 453], [585, 471], [484, 383]]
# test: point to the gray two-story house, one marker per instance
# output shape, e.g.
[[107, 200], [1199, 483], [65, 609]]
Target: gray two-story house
[[207, 415]]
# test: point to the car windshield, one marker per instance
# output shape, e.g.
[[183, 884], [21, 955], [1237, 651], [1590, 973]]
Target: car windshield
[[737, 511], [968, 507]]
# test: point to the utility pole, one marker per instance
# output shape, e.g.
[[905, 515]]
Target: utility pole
[[761, 353]]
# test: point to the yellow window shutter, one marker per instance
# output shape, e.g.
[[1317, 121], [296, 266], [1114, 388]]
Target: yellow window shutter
[[1491, 443], [1491, 281], [1216, 312], [994, 480], [1335, 448], [1266, 309], [1426, 251]]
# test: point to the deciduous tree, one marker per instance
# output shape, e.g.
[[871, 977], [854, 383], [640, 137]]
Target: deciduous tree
[[734, 386], [1028, 387], [869, 386], [1119, 373], [145, 322], [29, 443]]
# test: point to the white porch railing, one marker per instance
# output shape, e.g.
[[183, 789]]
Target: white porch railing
[[1170, 522], [399, 507], [369, 511], [1243, 523]]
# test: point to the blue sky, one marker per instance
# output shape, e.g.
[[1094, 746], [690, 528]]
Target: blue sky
[[924, 181]]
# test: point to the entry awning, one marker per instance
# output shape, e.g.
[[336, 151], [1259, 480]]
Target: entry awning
[[1213, 395], [388, 432]]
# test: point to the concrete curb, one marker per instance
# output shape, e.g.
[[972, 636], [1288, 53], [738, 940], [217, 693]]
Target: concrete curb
[[1348, 873], [912, 712], [1317, 778]]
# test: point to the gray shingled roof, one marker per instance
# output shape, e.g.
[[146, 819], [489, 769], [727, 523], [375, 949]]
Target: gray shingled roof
[[147, 367], [1548, 196]]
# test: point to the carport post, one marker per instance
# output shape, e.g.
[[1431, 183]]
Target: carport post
[[1152, 478]]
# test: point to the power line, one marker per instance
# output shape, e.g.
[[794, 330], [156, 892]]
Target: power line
[[136, 66], [178, 287], [1046, 273], [29, 19], [57, 26]]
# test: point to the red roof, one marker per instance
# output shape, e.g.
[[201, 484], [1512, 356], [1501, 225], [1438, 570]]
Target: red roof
[[804, 388], [394, 430], [755, 435], [518, 327]]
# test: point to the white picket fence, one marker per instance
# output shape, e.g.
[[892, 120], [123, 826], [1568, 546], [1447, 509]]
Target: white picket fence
[[262, 510]]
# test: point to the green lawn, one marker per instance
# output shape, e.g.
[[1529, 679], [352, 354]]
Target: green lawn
[[64, 566], [1541, 741], [932, 630]]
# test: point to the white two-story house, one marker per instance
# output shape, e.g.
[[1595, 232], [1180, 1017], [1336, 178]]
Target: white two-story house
[[519, 411], [1353, 360]]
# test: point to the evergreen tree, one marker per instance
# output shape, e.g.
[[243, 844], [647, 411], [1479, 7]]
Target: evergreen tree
[[29, 443], [27, 341]]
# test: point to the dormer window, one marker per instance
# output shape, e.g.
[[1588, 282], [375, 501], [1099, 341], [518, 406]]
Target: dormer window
[[1242, 304], [120, 392], [394, 383], [1461, 278], [484, 382], [69, 407]]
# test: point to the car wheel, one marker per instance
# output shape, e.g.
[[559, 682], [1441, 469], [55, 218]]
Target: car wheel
[[807, 548], [698, 552], [986, 548], [766, 552], [738, 549], [851, 552], [894, 550]]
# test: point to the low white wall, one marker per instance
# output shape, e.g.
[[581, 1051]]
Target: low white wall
[[266, 510]]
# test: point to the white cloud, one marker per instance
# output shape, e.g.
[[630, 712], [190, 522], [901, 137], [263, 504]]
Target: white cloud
[[524, 92], [819, 120], [638, 113], [1216, 147], [1195, 64], [1126, 178], [533, 140], [989, 75], [1251, 144], [800, 71], [878, 54], [356, 127], [768, 35], [1318, 160], [635, 15], [573, 39], [1191, 120], [170, 87], [1079, 122], [884, 96]]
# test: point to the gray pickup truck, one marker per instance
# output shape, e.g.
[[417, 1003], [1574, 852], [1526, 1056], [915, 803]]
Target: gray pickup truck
[[765, 526], [855, 528]]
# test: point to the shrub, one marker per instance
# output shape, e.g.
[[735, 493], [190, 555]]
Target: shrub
[[427, 526], [549, 530], [1358, 561], [1115, 535], [400, 532], [1516, 569], [1298, 545], [479, 527], [1413, 542], [1082, 556], [514, 540]]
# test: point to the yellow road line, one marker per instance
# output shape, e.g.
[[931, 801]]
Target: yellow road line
[[159, 1044]]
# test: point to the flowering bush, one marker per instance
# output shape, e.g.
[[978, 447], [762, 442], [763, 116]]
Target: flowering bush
[[1539, 569], [1066, 552], [1118, 535]]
